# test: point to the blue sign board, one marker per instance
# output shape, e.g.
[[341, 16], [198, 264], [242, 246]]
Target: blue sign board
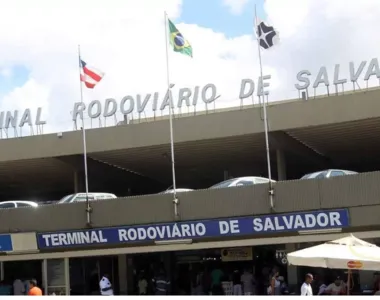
[[228, 227], [6, 243]]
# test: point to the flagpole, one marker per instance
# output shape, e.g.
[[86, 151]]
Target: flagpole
[[88, 206], [265, 119], [175, 200]]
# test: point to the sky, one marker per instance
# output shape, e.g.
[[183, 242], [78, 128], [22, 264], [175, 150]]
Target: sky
[[126, 39]]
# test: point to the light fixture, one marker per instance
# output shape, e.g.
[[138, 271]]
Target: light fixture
[[170, 242], [320, 231]]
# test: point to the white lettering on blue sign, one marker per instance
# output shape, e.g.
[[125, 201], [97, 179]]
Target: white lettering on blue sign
[[74, 238], [297, 222], [177, 231], [242, 226]]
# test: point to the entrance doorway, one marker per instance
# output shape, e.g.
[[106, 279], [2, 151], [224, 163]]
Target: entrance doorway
[[86, 272]]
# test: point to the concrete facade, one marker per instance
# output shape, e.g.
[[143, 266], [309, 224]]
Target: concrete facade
[[284, 115], [359, 193]]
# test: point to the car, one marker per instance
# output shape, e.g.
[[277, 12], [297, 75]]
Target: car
[[241, 181], [328, 174], [81, 197], [17, 204], [171, 191]]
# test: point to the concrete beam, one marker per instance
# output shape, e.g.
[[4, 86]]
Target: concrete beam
[[284, 142]]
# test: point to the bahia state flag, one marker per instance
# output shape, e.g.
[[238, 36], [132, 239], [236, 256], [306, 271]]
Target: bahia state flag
[[178, 42], [89, 75], [266, 34]]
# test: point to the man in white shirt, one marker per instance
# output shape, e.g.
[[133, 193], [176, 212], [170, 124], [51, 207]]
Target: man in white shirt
[[306, 289], [105, 286], [18, 288]]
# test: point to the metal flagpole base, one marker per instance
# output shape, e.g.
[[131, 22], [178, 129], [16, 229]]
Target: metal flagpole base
[[176, 213], [88, 213], [271, 199]]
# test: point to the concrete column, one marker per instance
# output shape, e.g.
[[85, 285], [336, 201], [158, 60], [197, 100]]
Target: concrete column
[[130, 274], [122, 268], [281, 164], [292, 270], [78, 182]]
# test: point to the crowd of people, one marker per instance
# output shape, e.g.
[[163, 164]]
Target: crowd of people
[[211, 281], [20, 288]]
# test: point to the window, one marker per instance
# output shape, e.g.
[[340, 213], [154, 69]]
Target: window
[[223, 184], [321, 175], [244, 183], [66, 199], [336, 173], [23, 205], [83, 198], [7, 205], [261, 180]]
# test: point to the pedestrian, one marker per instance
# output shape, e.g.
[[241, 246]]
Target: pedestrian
[[105, 286], [18, 287], [236, 281], [142, 284], [306, 289], [161, 284], [34, 290], [275, 285], [248, 282]]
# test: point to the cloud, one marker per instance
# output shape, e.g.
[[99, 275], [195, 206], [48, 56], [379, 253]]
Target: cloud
[[236, 6], [126, 39]]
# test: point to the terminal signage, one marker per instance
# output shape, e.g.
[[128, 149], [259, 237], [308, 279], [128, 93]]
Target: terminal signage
[[9, 119], [6, 243], [208, 93], [323, 77], [185, 97], [229, 227]]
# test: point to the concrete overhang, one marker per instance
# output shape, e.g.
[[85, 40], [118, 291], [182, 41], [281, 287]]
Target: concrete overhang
[[359, 193]]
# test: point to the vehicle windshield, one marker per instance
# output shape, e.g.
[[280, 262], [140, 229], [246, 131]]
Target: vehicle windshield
[[66, 199], [223, 184], [315, 175]]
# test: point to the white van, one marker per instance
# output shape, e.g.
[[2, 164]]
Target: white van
[[81, 197]]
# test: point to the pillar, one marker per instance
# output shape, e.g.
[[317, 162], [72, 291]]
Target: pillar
[[281, 165], [56, 276], [292, 270], [122, 268], [78, 182]]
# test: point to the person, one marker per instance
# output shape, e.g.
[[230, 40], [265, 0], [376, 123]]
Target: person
[[161, 284], [34, 290], [248, 282], [275, 284], [105, 286], [236, 282], [336, 288], [5, 289], [216, 281], [322, 289], [18, 287], [142, 285], [306, 289], [284, 286]]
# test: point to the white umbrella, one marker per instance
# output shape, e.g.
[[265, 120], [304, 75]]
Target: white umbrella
[[346, 253]]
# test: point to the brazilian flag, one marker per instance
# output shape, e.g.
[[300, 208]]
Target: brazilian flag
[[178, 42]]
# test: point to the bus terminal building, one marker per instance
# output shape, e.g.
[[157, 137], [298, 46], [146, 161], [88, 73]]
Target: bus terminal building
[[140, 228]]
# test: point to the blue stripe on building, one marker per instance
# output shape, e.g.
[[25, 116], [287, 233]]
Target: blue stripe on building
[[218, 228]]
